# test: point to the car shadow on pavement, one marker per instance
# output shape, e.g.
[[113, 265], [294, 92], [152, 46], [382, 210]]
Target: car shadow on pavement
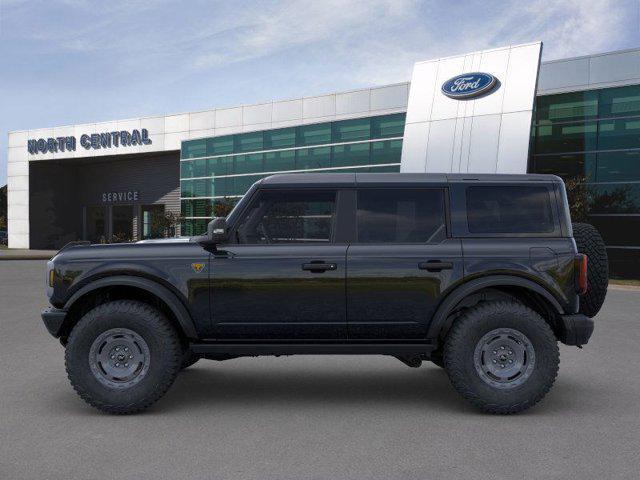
[[212, 384], [215, 385]]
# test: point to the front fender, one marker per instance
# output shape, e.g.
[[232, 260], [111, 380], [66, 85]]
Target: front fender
[[168, 297]]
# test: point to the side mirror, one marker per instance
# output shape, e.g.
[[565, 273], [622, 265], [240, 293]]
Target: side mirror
[[216, 233], [217, 230]]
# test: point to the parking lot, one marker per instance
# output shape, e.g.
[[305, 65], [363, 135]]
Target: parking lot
[[314, 417]]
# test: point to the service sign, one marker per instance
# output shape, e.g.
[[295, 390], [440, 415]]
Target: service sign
[[469, 85], [93, 141]]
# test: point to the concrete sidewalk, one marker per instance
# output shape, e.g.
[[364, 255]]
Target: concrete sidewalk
[[24, 254]]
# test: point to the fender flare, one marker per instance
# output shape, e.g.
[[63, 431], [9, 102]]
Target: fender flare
[[439, 320], [173, 302]]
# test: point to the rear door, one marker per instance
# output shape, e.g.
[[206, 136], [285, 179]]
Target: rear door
[[400, 263]]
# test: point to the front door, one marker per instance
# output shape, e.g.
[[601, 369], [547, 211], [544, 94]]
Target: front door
[[401, 262], [284, 275]]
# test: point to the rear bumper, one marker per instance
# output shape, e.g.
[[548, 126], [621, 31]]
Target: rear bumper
[[53, 319], [577, 329]]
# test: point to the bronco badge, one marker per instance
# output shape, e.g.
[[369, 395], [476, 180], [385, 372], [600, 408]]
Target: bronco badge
[[197, 267]]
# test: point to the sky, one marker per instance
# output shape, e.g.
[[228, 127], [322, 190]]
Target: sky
[[65, 62]]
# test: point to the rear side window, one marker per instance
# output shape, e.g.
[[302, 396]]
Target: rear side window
[[509, 209], [401, 216]]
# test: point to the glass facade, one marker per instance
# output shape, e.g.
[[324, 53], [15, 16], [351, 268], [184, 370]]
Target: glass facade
[[592, 140], [220, 169]]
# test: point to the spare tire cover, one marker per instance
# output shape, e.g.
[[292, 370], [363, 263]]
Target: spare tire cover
[[589, 242]]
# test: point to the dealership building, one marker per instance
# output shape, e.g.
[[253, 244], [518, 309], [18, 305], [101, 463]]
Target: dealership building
[[498, 110]]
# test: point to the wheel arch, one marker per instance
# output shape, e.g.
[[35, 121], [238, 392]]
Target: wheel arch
[[130, 287], [532, 294]]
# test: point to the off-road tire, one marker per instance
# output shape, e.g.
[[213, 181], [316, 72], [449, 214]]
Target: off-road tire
[[466, 333], [437, 359], [589, 242], [188, 359], [165, 356]]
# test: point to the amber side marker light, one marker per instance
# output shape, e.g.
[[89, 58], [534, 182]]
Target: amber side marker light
[[581, 262], [52, 277]]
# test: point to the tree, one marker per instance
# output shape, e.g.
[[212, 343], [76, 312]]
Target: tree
[[223, 207], [163, 224]]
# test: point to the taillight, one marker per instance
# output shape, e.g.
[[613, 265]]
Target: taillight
[[581, 273]]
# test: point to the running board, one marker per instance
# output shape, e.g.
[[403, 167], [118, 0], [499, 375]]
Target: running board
[[256, 349]]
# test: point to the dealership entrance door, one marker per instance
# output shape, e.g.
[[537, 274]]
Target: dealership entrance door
[[109, 223]]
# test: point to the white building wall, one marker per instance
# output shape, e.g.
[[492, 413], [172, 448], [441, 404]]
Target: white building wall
[[167, 133], [487, 134]]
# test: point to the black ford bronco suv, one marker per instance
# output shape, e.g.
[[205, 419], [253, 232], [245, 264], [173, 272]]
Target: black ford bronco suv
[[480, 274]]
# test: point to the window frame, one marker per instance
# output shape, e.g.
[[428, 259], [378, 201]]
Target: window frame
[[255, 197], [444, 190], [459, 205]]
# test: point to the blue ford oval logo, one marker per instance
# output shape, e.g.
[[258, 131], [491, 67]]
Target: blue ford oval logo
[[468, 85]]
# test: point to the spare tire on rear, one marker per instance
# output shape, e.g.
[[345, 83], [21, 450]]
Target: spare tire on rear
[[590, 243]]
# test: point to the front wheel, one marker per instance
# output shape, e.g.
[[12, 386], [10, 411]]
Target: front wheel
[[502, 357], [122, 356]]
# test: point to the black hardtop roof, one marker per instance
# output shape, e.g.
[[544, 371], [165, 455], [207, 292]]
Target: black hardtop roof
[[381, 179]]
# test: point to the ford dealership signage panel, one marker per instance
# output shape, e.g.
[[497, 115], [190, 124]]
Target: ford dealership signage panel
[[472, 113]]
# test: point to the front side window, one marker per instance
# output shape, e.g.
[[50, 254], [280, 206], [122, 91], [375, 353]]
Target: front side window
[[509, 209], [289, 217], [401, 216]]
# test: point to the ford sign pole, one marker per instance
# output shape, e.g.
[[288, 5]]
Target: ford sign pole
[[469, 85]]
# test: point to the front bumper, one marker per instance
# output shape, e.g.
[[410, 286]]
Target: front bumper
[[577, 329], [53, 319]]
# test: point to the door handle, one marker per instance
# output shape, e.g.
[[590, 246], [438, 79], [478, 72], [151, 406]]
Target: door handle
[[435, 266], [319, 267]]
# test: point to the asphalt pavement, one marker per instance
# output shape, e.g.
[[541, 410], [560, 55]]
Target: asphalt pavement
[[314, 417]]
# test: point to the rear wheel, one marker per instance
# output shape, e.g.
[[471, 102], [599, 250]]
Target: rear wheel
[[122, 356], [501, 356], [589, 242]]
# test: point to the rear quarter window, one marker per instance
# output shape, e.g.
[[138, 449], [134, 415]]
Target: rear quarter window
[[509, 209]]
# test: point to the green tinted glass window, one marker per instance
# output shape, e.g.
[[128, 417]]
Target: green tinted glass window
[[313, 134], [618, 166], [220, 145], [280, 138], [242, 184], [352, 130], [248, 163], [567, 166], [620, 102], [197, 208], [308, 158], [279, 161], [186, 170], [348, 155], [566, 107], [388, 126], [191, 228], [388, 151], [220, 166], [222, 186], [201, 187], [386, 169], [194, 148], [615, 134], [615, 198], [574, 137], [186, 188], [248, 142]]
